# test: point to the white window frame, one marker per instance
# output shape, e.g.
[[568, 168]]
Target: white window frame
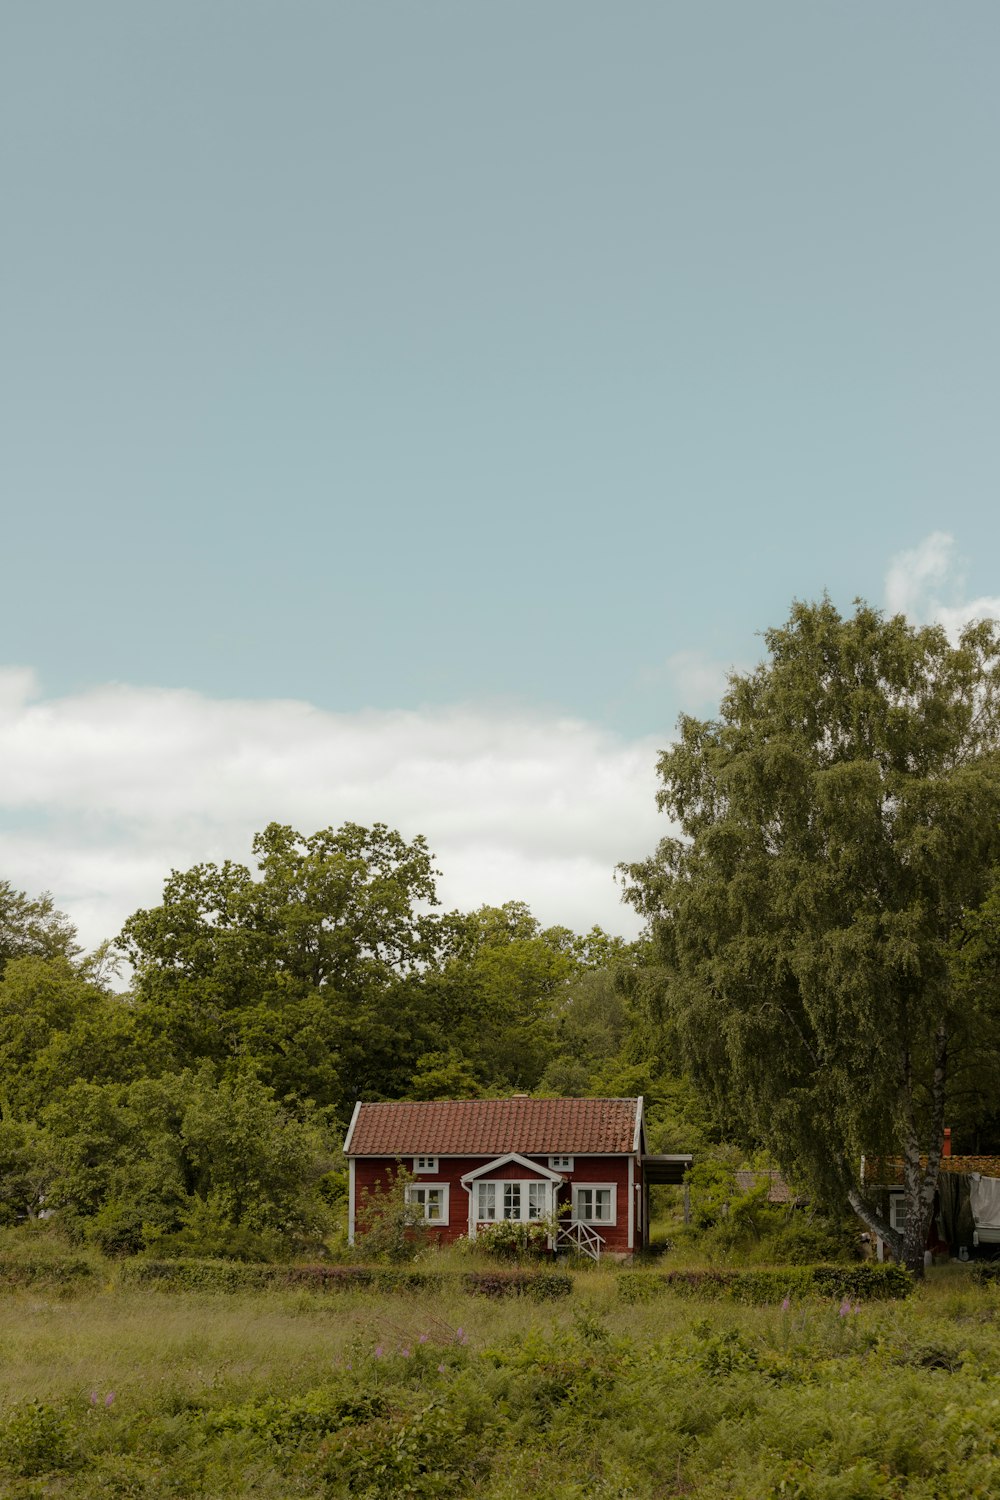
[[897, 1220], [416, 1196], [425, 1164], [579, 1188], [500, 1186], [561, 1163]]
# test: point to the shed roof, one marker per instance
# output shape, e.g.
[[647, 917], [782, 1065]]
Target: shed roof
[[889, 1173], [778, 1190], [489, 1127]]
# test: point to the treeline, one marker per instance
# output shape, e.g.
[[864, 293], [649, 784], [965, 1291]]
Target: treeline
[[201, 1110]]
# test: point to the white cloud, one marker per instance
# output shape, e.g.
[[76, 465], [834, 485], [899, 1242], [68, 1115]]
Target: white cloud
[[102, 792], [927, 582]]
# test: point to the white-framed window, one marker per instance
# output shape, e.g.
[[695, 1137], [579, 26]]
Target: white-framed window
[[486, 1202], [431, 1201], [561, 1163], [425, 1164], [595, 1203], [897, 1212], [509, 1200]]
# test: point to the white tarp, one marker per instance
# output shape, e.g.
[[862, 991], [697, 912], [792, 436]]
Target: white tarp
[[985, 1195]]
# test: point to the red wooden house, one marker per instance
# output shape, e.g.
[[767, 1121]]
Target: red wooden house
[[478, 1161]]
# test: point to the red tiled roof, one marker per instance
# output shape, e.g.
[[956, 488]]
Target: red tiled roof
[[778, 1190], [490, 1127]]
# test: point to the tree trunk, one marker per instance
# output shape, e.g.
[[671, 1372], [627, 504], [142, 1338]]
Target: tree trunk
[[874, 1221]]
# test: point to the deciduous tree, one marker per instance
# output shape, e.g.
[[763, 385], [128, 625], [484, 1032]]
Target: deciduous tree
[[837, 823]]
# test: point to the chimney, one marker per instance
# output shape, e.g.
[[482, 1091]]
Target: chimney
[[946, 1148]]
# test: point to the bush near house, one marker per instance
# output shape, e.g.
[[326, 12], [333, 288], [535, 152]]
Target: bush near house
[[763, 1287]]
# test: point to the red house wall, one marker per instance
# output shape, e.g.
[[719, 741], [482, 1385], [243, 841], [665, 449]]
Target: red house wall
[[373, 1172]]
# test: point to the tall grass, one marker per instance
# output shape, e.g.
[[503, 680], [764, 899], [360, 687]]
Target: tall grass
[[123, 1391]]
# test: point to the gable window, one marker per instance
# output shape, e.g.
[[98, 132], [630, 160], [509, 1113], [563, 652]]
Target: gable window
[[425, 1164], [594, 1204], [561, 1163], [432, 1202]]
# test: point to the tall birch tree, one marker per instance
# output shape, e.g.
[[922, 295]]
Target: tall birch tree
[[836, 824]]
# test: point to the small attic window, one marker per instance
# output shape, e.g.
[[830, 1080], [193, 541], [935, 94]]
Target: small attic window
[[425, 1164], [561, 1163]]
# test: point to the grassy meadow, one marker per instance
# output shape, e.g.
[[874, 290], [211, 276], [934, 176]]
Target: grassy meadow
[[116, 1390]]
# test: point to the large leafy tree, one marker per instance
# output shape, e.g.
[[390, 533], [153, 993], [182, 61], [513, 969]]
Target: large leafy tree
[[305, 968], [30, 926], [838, 822]]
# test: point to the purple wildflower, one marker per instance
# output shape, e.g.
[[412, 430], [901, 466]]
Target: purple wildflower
[[109, 1398], [379, 1351], [423, 1338], [845, 1308], [442, 1369], [405, 1353], [786, 1304]]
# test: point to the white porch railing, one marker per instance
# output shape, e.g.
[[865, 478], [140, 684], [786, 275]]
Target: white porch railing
[[580, 1237]]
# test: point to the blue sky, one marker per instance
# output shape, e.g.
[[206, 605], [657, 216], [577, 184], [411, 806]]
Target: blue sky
[[496, 370]]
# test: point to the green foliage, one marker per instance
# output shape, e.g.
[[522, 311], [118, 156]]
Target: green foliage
[[36, 1438], [764, 1286], [31, 927], [508, 1239], [388, 1226], [282, 1420], [52, 1274], [837, 821], [542, 1285]]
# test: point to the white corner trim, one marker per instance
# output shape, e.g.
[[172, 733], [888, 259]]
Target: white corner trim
[[350, 1201], [631, 1203], [350, 1128]]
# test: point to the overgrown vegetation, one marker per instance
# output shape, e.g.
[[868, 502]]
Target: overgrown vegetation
[[373, 1393]]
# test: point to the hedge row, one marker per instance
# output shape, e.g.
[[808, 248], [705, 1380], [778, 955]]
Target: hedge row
[[985, 1272], [866, 1282], [241, 1276], [43, 1273]]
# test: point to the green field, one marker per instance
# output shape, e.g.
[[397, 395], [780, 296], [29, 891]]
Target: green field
[[119, 1391]]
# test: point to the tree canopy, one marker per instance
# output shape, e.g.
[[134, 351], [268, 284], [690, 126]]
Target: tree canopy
[[838, 822]]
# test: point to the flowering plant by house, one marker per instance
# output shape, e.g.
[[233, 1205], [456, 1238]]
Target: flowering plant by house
[[510, 1238]]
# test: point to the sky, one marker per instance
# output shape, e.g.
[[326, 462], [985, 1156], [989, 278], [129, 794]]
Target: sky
[[407, 410]]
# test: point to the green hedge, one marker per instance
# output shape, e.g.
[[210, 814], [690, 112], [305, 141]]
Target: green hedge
[[60, 1274], [986, 1272], [542, 1285], [241, 1276], [757, 1288]]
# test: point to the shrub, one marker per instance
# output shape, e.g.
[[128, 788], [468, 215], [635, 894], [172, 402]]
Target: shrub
[[287, 1419], [756, 1288], [116, 1229], [242, 1276], [35, 1439], [542, 1285], [509, 1240], [389, 1227], [54, 1274]]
